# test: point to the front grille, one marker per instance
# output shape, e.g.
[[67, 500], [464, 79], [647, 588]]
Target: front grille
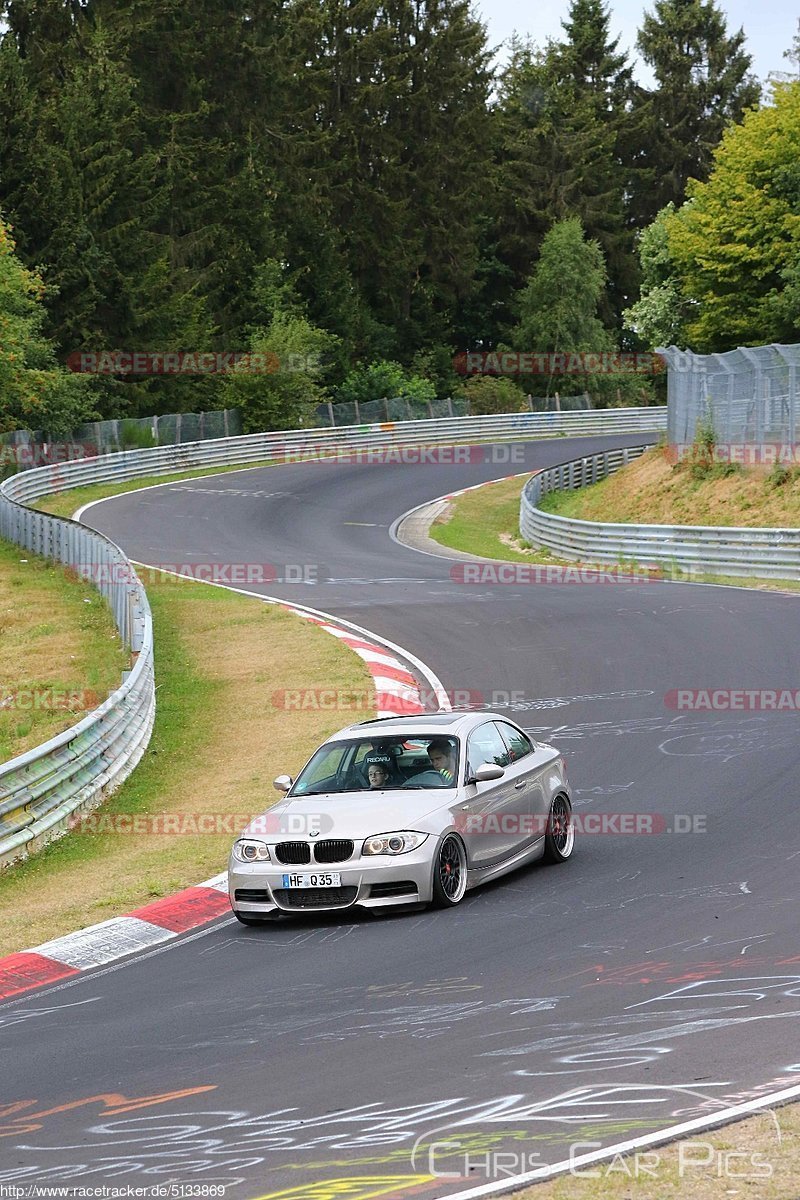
[[316, 897], [404, 888], [293, 852], [254, 895], [333, 850]]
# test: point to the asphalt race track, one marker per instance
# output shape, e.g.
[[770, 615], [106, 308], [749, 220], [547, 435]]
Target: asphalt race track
[[652, 979]]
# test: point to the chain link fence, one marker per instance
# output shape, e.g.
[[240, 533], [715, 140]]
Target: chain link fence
[[25, 448], [403, 408], [749, 395]]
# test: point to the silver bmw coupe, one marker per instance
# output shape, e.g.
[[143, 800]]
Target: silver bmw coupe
[[404, 811]]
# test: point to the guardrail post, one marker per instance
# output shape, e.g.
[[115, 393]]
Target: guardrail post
[[758, 394], [791, 356]]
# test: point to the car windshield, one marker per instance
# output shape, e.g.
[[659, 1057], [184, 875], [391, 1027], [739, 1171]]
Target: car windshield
[[379, 764]]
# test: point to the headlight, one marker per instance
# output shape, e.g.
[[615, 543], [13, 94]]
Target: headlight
[[248, 850], [393, 843]]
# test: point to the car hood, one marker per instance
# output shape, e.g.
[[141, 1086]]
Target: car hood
[[352, 815]]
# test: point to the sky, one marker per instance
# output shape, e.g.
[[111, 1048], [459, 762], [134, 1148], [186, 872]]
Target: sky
[[770, 26]]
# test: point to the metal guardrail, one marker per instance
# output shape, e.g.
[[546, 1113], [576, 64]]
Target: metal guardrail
[[278, 447], [693, 549], [40, 790]]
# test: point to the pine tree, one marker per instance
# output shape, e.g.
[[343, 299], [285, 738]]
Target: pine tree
[[703, 83], [83, 188], [567, 138], [395, 163], [558, 308], [209, 84]]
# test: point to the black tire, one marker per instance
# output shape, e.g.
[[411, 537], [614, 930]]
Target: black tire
[[559, 838], [449, 872]]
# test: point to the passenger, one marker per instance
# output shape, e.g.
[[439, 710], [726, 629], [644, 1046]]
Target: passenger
[[379, 770], [378, 775]]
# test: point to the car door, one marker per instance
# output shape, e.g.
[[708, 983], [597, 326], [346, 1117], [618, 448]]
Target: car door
[[529, 761], [494, 818]]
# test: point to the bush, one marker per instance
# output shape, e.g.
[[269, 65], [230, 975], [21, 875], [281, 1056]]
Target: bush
[[488, 396], [780, 475], [280, 389], [133, 436], [436, 365], [384, 380], [623, 390], [702, 464]]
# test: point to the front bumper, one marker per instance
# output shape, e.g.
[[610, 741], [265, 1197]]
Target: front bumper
[[257, 889]]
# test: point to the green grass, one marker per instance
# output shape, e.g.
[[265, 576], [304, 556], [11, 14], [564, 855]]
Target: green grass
[[655, 490], [485, 522], [566, 504], [60, 652]]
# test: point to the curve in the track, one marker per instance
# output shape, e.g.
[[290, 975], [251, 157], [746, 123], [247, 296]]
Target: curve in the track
[[651, 980]]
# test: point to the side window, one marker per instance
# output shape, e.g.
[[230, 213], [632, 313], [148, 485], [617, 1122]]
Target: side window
[[486, 745], [519, 744]]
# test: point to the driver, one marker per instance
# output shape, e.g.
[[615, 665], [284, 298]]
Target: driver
[[442, 757]]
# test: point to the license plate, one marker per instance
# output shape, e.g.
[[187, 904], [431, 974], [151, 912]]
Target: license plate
[[320, 879]]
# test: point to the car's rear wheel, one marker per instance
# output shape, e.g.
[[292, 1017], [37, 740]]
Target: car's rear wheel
[[559, 839], [450, 873]]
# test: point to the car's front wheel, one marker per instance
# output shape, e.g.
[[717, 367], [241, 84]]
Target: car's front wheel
[[449, 873], [559, 840]]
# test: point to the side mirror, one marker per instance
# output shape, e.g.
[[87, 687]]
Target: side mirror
[[486, 772], [282, 783]]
